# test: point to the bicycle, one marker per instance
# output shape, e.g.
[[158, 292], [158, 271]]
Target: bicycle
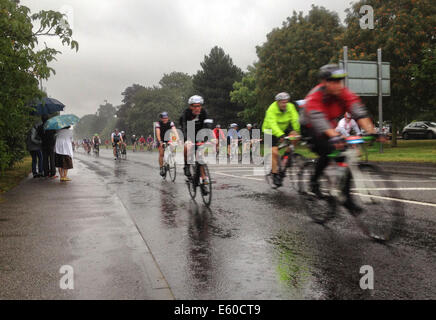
[[374, 208], [123, 152], [117, 151], [169, 161], [195, 180], [289, 163], [97, 150]]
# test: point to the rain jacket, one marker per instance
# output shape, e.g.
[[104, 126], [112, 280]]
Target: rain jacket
[[279, 121]]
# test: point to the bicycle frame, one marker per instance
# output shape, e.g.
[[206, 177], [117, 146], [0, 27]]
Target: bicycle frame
[[351, 161]]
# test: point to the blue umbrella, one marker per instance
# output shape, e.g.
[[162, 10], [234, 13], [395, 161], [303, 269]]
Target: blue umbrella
[[47, 106], [60, 122]]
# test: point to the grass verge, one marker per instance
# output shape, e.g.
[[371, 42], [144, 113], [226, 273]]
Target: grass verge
[[10, 178]]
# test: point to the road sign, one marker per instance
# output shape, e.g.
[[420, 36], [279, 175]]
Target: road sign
[[363, 77]]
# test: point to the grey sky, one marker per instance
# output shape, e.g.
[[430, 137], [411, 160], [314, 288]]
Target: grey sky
[[122, 42]]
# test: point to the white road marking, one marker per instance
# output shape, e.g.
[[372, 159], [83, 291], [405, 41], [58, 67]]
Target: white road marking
[[400, 189], [359, 194], [398, 200]]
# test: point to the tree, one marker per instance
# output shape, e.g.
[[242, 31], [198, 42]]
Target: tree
[[123, 110], [245, 94], [423, 75], [404, 30], [85, 128], [290, 58], [21, 66], [215, 82], [147, 103]]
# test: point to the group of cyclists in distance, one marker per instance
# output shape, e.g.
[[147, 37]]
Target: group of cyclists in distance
[[329, 114]]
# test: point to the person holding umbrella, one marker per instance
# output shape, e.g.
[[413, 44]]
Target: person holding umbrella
[[47, 147], [63, 146], [64, 152]]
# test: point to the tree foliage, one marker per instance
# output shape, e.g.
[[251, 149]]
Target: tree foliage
[[403, 30], [22, 63], [290, 58], [215, 82]]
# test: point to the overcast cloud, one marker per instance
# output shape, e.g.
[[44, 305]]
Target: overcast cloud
[[122, 42]]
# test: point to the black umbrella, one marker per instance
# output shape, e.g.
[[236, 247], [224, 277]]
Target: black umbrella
[[47, 106]]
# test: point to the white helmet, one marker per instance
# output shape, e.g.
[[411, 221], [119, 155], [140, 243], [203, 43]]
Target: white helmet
[[195, 100], [249, 125], [233, 125], [283, 96]]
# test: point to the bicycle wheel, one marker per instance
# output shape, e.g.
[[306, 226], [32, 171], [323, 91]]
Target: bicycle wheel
[[292, 171], [207, 198], [372, 190], [191, 182], [320, 208], [172, 167]]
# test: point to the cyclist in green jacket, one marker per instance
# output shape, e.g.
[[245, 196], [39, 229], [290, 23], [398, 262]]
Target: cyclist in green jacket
[[281, 120]]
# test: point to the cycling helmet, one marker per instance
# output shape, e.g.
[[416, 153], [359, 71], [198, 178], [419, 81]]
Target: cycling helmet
[[331, 72], [196, 100], [163, 115], [347, 115], [283, 96], [122, 132], [95, 135], [233, 125], [218, 126], [249, 125]]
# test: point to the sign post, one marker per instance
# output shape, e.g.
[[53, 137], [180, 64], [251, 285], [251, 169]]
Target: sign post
[[368, 78], [380, 93]]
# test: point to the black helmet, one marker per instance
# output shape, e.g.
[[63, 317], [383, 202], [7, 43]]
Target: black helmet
[[331, 72]]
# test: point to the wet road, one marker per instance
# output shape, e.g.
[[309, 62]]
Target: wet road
[[256, 243]]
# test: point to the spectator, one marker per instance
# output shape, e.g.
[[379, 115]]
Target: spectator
[[64, 152], [48, 144], [33, 143]]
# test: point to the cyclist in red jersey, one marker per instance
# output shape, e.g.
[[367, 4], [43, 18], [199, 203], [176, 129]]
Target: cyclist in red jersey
[[324, 107]]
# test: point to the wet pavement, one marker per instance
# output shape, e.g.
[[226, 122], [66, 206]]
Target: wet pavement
[[252, 243], [256, 243]]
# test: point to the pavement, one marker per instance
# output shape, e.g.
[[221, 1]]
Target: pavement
[[46, 224]]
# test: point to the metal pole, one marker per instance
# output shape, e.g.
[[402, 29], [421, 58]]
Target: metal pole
[[346, 64], [380, 93]]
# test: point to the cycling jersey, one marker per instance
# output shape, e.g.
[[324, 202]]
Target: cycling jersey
[[201, 121], [96, 141], [279, 121], [164, 127], [116, 137], [218, 134], [322, 111]]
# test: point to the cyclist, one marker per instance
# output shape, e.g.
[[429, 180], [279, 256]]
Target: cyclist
[[198, 115], [219, 135], [233, 137], [347, 125], [162, 136], [124, 143], [282, 120], [141, 143], [324, 104], [247, 139], [96, 141], [116, 138], [150, 142], [133, 140]]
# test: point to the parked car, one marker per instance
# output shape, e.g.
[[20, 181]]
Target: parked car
[[420, 129]]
